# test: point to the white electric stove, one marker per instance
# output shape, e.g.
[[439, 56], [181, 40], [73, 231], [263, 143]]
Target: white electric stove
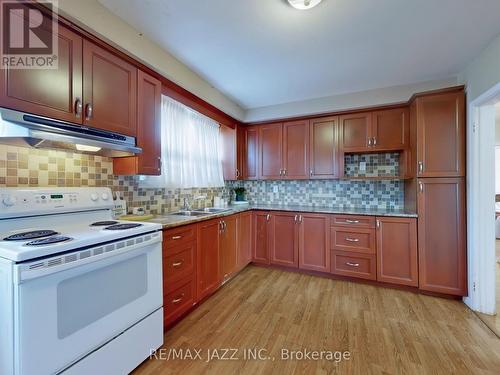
[[80, 292]]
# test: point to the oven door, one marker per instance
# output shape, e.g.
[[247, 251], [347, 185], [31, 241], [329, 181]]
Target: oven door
[[65, 310]]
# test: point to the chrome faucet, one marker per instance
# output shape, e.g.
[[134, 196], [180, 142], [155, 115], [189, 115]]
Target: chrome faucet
[[186, 206]]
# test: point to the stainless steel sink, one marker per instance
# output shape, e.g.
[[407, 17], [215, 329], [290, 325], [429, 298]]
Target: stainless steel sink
[[190, 213], [212, 210]]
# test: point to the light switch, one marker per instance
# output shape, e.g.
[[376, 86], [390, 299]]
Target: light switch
[[362, 166], [275, 189]]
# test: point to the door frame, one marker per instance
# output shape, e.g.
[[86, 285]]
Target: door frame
[[481, 260]]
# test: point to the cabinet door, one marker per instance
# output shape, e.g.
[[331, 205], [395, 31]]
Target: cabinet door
[[244, 237], [390, 129], [262, 236], [53, 93], [397, 250], [284, 245], [324, 159], [314, 252], [441, 235], [110, 91], [148, 131], [207, 258], [355, 131], [296, 150], [228, 250], [441, 135], [229, 152], [251, 153], [270, 140]]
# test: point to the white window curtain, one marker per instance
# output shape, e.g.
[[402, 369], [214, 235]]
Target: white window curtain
[[190, 149]]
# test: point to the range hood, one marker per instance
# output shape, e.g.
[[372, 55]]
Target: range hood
[[27, 130]]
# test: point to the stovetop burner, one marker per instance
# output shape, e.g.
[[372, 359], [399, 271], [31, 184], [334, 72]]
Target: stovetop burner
[[123, 226], [103, 223], [30, 235], [49, 240]]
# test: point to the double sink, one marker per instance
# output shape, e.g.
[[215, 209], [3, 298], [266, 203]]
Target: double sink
[[200, 212]]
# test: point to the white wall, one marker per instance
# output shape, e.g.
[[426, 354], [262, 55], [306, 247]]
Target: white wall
[[362, 99], [92, 15]]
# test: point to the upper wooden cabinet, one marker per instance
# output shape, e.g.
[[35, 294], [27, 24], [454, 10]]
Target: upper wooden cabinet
[[397, 260], [110, 91], [441, 235], [390, 129], [441, 135], [270, 151], [55, 93], [295, 158], [148, 130], [229, 139], [250, 146], [325, 160]]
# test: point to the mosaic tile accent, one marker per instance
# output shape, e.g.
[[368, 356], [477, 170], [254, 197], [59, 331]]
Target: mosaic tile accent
[[28, 167], [377, 165]]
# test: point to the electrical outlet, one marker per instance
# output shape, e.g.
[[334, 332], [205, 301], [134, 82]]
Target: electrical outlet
[[362, 166], [275, 189]]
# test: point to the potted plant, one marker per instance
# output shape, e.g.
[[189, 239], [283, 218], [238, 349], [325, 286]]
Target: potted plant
[[240, 194]]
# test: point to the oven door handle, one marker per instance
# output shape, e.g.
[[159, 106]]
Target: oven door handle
[[104, 254]]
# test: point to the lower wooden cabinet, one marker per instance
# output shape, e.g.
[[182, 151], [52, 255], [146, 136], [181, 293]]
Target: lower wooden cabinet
[[178, 298], [397, 261], [347, 263], [244, 239], [441, 235], [314, 239], [262, 223], [284, 239], [207, 270], [228, 247]]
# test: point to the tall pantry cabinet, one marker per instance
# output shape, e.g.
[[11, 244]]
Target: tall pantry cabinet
[[438, 192]]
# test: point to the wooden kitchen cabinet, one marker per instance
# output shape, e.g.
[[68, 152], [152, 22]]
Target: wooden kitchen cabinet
[[250, 145], [295, 158], [229, 138], [397, 260], [110, 91], [54, 93], [359, 265], [314, 239], [355, 132], [442, 235], [325, 160], [228, 242], [270, 151], [441, 135], [390, 129], [207, 270], [262, 236], [244, 239], [284, 239], [148, 131]]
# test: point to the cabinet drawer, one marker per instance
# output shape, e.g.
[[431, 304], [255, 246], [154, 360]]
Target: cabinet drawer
[[363, 266], [353, 221], [359, 240], [179, 265], [178, 301], [178, 236]]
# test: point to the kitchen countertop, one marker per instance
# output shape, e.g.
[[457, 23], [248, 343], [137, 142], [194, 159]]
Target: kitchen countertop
[[170, 221]]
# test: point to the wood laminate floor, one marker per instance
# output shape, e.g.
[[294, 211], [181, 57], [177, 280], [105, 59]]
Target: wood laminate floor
[[385, 331]]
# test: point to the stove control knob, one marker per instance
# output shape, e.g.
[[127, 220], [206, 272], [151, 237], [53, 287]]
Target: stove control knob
[[9, 201], [104, 196], [94, 197]]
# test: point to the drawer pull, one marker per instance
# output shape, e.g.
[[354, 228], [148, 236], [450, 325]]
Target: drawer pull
[[178, 299], [352, 239], [177, 264], [176, 237], [352, 264], [351, 221]]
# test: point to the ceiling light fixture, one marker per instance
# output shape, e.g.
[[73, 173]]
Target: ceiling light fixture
[[304, 4]]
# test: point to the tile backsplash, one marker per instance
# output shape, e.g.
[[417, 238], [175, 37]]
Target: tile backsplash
[[27, 167]]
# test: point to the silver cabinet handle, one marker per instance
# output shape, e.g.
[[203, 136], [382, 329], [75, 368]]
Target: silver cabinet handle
[[177, 264], [311, 172], [300, 218], [352, 239], [378, 223], [268, 217], [351, 221], [176, 237], [78, 107], [281, 172], [88, 111], [178, 299], [420, 167], [369, 141], [159, 163], [421, 186], [295, 218], [224, 225], [284, 172], [221, 226], [237, 173], [374, 141], [352, 264]]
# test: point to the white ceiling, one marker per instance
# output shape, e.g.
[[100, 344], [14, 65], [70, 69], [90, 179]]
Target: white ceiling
[[263, 52]]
